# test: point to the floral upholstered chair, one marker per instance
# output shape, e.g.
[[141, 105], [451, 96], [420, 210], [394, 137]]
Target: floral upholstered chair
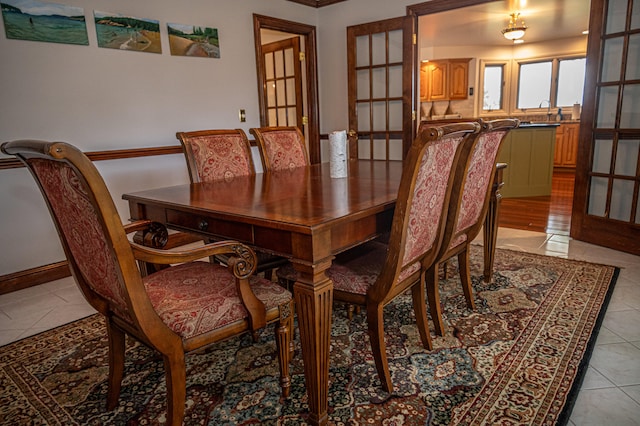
[[373, 274], [281, 148], [462, 228], [214, 155], [173, 309]]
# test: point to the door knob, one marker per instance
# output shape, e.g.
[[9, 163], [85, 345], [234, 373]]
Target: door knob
[[352, 133]]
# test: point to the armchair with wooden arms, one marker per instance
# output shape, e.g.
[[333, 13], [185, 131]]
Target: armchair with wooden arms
[[375, 273], [176, 309], [222, 154], [281, 148]]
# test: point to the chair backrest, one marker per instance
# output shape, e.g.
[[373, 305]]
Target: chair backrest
[[482, 166], [216, 154], [430, 174], [476, 189], [281, 148], [92, 235]]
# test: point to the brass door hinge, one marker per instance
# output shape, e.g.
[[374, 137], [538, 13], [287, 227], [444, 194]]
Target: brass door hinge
[[305, 120], [302, 57]]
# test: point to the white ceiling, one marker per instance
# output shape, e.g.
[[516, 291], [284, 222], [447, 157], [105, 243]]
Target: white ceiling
[[482, 24]]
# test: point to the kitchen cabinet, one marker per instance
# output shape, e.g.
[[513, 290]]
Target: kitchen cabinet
[[566, 151], [529, 154], [444, 79]]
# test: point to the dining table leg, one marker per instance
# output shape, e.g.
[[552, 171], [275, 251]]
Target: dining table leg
[[314, 299]]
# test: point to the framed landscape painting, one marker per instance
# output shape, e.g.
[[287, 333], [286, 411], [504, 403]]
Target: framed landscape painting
[[41, 21], [190, 40], [115, 31]]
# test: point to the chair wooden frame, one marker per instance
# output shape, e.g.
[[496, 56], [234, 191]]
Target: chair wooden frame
[[390, 282], [263, 136], [456, 240], [131, 310]]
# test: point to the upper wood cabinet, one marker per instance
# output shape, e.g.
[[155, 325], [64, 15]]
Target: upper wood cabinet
[[444, 79]]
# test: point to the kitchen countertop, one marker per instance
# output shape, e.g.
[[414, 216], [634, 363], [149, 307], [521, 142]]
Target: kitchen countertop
[[529, 125]]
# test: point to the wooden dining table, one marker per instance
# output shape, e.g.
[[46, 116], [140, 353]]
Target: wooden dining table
[[307, 216], [302, 214]]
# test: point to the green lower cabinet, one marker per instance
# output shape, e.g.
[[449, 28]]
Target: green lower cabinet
[[528, 152]]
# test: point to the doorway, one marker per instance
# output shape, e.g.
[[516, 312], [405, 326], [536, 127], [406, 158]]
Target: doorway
[[282, 83], [454, 22], [309, 84]]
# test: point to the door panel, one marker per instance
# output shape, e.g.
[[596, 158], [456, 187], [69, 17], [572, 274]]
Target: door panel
[[380, 64], [283, 83], [310, 102], [606, 203]]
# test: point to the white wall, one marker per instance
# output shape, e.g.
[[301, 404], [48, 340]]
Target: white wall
[[103, 99]]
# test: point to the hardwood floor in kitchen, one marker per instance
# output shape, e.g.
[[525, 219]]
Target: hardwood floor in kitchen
[[550, 214]]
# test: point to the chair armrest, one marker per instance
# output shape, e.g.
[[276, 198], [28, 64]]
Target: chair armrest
[[243, 259], [256, 309], [138, 225]]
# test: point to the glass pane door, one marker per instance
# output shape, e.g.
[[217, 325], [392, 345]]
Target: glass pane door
[[606, 204], [378, 104]]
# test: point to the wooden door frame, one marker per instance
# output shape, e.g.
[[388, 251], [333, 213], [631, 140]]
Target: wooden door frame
[[280, 45], [311, 70], [405, 23], [617, 235]]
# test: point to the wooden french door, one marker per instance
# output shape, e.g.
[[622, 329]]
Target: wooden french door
[[380, 63], [606, 207], [310, 105], [282, 83]]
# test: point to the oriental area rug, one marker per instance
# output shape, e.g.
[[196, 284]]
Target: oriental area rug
[[518, 358]]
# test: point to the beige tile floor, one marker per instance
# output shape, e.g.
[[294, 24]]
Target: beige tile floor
[[610, 393]]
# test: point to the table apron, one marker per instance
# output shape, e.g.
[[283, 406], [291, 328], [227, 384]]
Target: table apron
[[299, 245]]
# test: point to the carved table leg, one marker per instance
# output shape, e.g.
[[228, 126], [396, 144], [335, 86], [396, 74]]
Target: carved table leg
[[314, 299], [491, 222]]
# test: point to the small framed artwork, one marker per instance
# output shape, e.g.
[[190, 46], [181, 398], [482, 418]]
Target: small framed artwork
[[115, 31], [190, 40], [40, 21]]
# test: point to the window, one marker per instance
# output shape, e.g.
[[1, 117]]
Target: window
[[492, 88], [534, 85], [570, 82], [551, 83]]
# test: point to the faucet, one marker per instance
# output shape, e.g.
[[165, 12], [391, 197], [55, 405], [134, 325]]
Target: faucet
[[548, 108]]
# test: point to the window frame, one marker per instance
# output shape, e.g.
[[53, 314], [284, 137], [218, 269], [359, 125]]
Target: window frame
[[506, 87], [511, 85]]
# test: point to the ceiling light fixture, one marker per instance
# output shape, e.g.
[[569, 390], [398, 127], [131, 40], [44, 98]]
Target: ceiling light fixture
[[514, 31]]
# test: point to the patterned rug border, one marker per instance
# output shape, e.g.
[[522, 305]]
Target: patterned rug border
[[612, 272], [572, 395], [563, 418]]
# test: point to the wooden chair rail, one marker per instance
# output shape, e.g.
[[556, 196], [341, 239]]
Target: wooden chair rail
[[116, 154]]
